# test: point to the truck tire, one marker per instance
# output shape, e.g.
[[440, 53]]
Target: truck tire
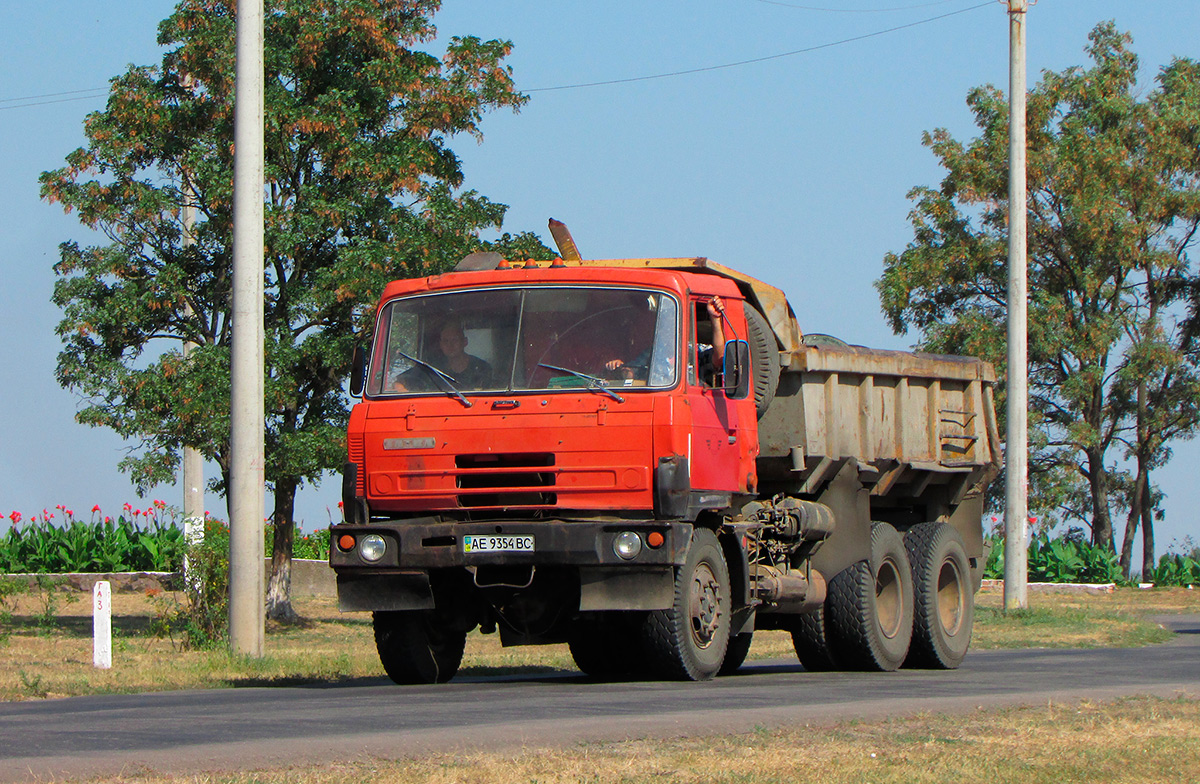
[[414, 648], [870, 606], [607, 647], [943, 599], [736, 652], [811, 641], [764, 359], [688, 641]]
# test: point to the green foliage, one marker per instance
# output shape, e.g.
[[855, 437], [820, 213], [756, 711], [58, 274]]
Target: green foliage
[[10, 589], [361, 188], [202, 621], [1175, 569], [313, 546], [92, 547], [1063, 559], [1113, 208], [51, 591]]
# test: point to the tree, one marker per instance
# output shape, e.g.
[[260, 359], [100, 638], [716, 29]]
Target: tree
[[1112, 211], [361, 188]]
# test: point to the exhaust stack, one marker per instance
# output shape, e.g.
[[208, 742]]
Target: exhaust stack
[[564, 241]]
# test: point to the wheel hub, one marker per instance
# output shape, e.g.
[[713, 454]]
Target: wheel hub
[[705, 607]]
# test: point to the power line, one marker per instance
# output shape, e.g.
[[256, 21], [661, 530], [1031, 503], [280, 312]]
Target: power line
[[96, 92], [50, 95], [760, 59], [35, 100], [856, 10]]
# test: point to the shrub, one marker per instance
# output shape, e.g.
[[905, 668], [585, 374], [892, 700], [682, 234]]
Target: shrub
[[1063, 559], [203, 620], [1175, 569], [41, 547]]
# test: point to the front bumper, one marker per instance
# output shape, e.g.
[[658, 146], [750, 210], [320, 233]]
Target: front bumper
[[400, 580], [423, 545]]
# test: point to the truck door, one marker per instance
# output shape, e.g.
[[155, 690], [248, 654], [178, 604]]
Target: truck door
[[714, 448]]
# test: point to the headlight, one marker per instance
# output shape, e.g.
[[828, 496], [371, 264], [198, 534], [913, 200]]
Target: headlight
[[627, 545], [372, 547]]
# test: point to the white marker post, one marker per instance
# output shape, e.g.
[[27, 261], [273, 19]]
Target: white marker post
[[102, 625]]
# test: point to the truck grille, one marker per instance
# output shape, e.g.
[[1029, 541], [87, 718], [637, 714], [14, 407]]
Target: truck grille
[[505, 480], [356, 452]]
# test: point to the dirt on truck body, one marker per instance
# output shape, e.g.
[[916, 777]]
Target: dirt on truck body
[[560, 453]]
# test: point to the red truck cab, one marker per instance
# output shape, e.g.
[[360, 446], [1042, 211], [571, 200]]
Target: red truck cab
[[535, 443]]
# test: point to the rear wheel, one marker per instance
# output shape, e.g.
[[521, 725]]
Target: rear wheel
[[811, 641], [415, 648], [943, 599], [870, 606], [688, 641]]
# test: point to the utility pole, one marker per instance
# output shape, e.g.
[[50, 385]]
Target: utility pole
[[1016, 452], [193, 462], [247, 615]]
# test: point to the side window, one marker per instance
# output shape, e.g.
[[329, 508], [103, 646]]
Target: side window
[[700, 369]]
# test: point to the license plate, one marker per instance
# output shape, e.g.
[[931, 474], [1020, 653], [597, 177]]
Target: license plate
[[493, 543]]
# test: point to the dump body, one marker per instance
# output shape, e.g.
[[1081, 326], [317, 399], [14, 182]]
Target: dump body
[[920, 430], [637, 441]]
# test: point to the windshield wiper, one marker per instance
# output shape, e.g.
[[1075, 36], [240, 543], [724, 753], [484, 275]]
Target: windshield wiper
[[449, 380], [594, 382]]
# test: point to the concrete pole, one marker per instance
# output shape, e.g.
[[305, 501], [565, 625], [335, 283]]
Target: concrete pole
[[1016, 453], [193, 462], [247, 614]]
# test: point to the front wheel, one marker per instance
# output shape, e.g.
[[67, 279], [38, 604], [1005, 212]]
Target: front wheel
[[607, 645], [943, 596], [414, 648], [736, 653], [688, 641]]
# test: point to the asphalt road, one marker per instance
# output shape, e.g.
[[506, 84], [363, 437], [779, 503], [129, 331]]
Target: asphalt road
[[264, 727]]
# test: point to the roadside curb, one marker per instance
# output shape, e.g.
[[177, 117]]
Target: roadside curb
[[1059, 587], [309, 578]]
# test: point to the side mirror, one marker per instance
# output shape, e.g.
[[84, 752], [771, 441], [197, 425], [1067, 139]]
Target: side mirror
[[358, 371], [736, 372]]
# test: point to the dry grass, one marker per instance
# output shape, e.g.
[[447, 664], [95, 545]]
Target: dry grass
[[1133, 740], [56, 660]]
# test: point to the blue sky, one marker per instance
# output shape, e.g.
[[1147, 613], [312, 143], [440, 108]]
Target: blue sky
[[793, 169]]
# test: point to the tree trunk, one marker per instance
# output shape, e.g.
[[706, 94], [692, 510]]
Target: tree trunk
[[1141, 491], [1131, 522], [1102, 528], [1147, 535], [279, 588]]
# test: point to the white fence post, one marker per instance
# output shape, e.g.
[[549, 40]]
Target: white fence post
[[102, 625]]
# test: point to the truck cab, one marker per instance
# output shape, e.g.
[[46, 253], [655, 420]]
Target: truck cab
[[535, 444]]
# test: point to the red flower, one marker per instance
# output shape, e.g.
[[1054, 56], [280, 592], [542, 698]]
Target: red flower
[[128, 507], [160, 504], [15, 517], [96, 508], [68, 512], [108, 520]]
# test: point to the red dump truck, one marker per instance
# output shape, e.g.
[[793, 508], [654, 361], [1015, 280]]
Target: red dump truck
[[560, 453]]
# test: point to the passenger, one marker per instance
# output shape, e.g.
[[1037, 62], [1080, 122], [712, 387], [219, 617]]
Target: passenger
[[468, 372]]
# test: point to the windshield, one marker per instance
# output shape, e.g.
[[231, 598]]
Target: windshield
[[518, 339]]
